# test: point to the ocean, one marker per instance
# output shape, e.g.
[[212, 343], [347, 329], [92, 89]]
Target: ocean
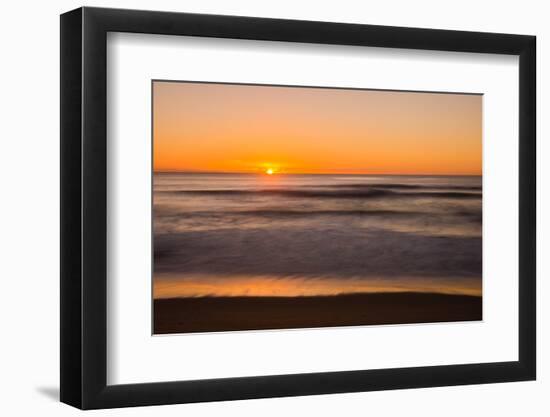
[[298, 235]]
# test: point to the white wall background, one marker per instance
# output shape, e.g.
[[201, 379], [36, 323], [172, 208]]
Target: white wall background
[[29, 212]]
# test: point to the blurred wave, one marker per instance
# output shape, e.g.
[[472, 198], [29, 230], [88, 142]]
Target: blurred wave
[[346, 232], [371, 192]]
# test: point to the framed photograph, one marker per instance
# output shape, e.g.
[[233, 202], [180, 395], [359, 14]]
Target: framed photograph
[[257, 208]]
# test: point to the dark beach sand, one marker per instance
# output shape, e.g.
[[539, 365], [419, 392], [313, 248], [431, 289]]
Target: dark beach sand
[[210, 314]]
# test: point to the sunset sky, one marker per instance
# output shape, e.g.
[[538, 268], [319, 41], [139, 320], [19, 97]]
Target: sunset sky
[[250, 128]]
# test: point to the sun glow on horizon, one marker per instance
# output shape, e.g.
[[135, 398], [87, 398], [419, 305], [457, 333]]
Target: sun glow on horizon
[[274, 130]]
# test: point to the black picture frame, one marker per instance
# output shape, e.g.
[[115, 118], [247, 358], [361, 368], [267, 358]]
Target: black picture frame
[[84, 207]]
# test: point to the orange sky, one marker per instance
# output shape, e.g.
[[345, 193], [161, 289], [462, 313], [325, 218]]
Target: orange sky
[[247, 128]]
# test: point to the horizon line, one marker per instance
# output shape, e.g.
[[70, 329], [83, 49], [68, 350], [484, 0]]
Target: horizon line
[[176, 171]]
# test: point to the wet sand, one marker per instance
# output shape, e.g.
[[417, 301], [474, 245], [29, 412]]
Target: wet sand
[[213, 314]]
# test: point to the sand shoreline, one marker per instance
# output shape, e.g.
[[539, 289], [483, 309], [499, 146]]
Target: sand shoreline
[[209, 314]]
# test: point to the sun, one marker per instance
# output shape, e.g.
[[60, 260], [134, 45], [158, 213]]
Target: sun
[[269, 171]]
